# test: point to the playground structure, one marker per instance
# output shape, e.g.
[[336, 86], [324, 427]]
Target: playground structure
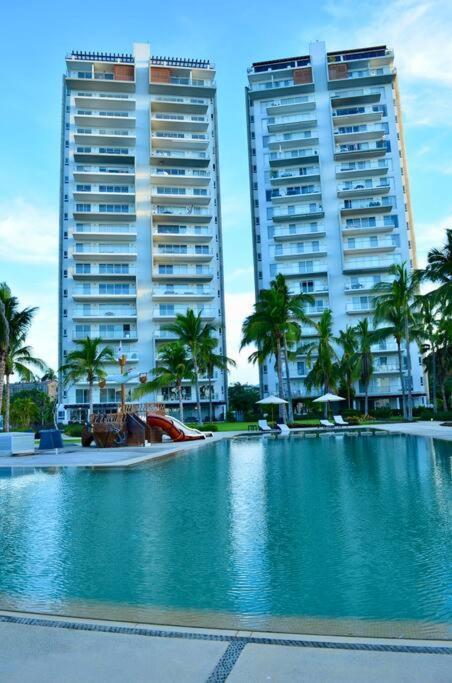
[[136, 424]]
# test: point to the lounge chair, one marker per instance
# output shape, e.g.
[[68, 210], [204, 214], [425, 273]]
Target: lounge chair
[[339, 420], [284, 429], [263, 426], [326, 423]]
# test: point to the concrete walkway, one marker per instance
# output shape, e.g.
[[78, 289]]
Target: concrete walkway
[[36, 649], [428, 428]]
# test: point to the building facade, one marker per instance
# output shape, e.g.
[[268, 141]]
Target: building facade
[[330, 195], [140, 222]]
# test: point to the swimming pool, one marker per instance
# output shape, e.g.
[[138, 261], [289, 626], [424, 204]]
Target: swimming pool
[[335, 534]]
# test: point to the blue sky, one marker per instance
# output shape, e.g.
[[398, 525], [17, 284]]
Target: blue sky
[[36, 37]]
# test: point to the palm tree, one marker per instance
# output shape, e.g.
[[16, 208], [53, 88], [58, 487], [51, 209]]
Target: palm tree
[[192, 333], [366, 337], [324, 369], [274, 327], [173, 367], [439, 270], [426, 333], [396, 298], [18, 362], [14, 325], [394, 318], [212, 361], [348, 364], [444, 356], [87, 362]]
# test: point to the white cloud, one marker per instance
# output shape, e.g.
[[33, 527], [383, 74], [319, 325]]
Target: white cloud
[[429, 236], [238, 306], [28, 232]]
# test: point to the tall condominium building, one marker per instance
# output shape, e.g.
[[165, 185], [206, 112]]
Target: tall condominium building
[[140, 220], [329, 193]]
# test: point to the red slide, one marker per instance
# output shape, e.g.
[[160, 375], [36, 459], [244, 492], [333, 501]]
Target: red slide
[[175, 429]]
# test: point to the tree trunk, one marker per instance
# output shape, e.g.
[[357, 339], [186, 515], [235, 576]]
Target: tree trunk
[[282, 411], [434, 378], [198, 401], [289, 388], [366, 400], [349, 394], [2, 379], [90, 399], [210, 397], [7, 402], [409, 371], [399, 354], [181, 403], [443, 395]]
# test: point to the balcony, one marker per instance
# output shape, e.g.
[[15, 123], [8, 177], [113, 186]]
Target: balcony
[[363, 188], [286, 141], [181, 233], [99, 230], [361, 150], [182, 293], [106, 332], [368, 264], [167, 79], [105, 252], [356, 207], [103, 174], [285, 81], [363, 284], [300, 193], [103, 100], [386, 347], [360, 306], [297, 231], [358, 114], [287, 105], [191, 105], [109, 155], [286, 252], [105, 117], [102, 193], [99, 76], [363, 226], [297, 212], [180, 176], [168, 140], [180, 122], [184, 157], [349, 77], [188, 213], [288, 175], [375, 244], [182, 272], [166, 253], [181, 195], [386, 369], [362, 169], [392, 389], [103, 271], [113, 292], [103, 311], [111, 212], [293, 157], [103, 136], [314, 287], [169, 312], [303, 268], [355, 96], [291, 122], [364, 131]]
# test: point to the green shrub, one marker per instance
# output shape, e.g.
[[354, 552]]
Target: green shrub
[[350, 412], [384, 413], [74, 429], [203, 428]]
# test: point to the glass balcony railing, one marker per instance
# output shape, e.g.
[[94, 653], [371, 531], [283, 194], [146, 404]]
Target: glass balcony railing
[[169, 311], [303, 268], [184, 270], [296, 191], [179, 154], [371, 243], [360, 166], [167, 231], [105, 332], [98, 312], [105, 290], [172, 99], [288, 173], [180, 211], [101, 228], [293, 154], [170, 135], [182, 290], [178, 173], [363, 283], [370, 263], [368, 203], [299, 209], [289, 118], [298, 230], [104, 249], [297, 250]]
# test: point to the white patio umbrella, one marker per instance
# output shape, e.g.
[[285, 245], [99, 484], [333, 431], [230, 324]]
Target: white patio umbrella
[[271, 401], [328, 398]]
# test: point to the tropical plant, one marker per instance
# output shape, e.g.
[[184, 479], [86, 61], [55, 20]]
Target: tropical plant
[[439, 270], [49, 375], [173, 367], [87, 363], [348, 364], [242, 398], [211, 361], [24, 412], [19, 361], [365, 366], [192, 333], [426, 333], [14, 325], [321, 357], [275, 327], [444, 357], [394, 303]]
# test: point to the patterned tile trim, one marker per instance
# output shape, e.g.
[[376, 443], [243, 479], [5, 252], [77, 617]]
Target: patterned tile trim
[[158, 633], [227, 662]]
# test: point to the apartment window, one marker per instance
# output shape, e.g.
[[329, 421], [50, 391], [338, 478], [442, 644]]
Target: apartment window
[[115, 268], [165, 269], [301, 368], [166, 309], [82, 268], [81, 396]]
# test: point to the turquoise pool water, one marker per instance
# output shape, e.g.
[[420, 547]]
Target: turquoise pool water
[[334, 533]]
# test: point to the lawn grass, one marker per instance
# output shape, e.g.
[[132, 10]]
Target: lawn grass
[[243, 426]]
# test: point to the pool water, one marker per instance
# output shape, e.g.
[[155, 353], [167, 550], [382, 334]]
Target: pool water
[[302, 534]]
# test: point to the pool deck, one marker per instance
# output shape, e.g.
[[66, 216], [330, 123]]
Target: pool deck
[[34, 648]]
